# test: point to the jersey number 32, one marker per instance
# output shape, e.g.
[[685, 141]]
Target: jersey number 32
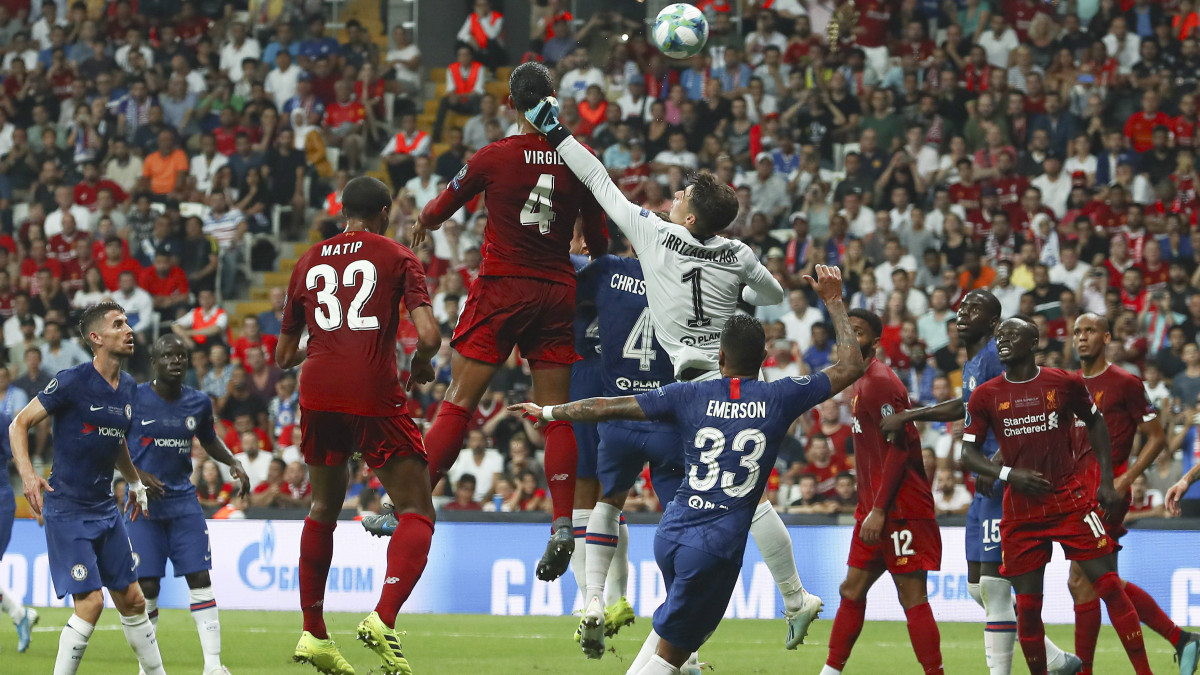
[[329, 315]]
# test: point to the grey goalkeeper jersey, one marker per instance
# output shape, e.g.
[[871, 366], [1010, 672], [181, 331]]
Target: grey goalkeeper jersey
[[691, 286]]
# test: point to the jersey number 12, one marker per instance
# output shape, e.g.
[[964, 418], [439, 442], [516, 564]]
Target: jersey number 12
[[539, 209]]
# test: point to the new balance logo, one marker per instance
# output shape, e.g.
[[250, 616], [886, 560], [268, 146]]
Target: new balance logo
[[392, 580], [559, 476], [855, 427]]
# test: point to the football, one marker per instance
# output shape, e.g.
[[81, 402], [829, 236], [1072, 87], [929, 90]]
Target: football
[[680, 30]]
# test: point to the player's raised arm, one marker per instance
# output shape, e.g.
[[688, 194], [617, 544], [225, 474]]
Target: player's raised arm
[[18, 438], [631, 218], [946, 411], [850, 364], [470, 181], [588, 410]]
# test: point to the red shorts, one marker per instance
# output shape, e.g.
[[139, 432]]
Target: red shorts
[[904, 546], [1025, 545], [534, 315], [330, 438]]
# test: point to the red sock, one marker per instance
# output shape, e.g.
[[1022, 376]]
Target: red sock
[[1124, 618], [1031, 632], [926, 641], [846, 626], [444, 440], [1087, 632], [562, 459], [406, 556], [316, 552], [1152, 615]]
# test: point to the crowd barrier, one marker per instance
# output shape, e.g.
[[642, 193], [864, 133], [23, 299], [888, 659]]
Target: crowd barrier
[[488, 568]]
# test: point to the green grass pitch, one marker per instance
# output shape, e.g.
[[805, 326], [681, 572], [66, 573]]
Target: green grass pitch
[[261, 643]]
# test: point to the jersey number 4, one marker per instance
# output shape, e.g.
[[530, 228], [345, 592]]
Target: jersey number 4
[[639, 345], [539, 207], [329, 315], [710, 459]]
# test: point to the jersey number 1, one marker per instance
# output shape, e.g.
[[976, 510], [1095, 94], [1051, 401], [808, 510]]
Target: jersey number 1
[[539, 209], [329, 314], [698, 319]]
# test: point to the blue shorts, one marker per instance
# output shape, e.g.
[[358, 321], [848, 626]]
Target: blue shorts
[[699, 586], [626, 447], [8, 513], [89, 554], [983, 527], [586, 382], [184, 540]]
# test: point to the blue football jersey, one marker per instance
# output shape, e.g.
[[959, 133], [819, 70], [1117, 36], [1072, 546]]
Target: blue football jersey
[[732, 429], [91, 421], [587, 327], [160, 442], [634, 361], [983, 367]]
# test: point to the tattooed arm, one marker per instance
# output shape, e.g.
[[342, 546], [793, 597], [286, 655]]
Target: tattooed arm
[[850, 364], [588, 410]]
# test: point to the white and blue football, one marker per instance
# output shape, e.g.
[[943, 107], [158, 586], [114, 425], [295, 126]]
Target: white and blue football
[[680, 30]]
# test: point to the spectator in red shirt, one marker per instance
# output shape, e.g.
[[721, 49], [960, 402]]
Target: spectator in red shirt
[[88, 190], [62, 246], [253, 338], [37, 259], [464, 495], [1133, 290], [115, 262], [226, 134], [344, 120], [1183, 125], [167, 285], [1139, 128], [286, 486]]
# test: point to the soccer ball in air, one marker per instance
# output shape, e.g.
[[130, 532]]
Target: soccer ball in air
[[680, 30]]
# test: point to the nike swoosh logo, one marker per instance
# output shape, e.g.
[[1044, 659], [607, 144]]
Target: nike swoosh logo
[[990, 548], [145, 422], [94, 408]]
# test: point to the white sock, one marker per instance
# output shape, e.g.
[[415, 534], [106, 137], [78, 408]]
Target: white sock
[[579, 521], [1001, 621], [72, 642], [830, 670], [139, 633], [152, 611], [603, 533], [208, 625], [658, 666], [618, 571], [10, 606], [775, 545], [977, 595], [1055, 657], [647, 652]]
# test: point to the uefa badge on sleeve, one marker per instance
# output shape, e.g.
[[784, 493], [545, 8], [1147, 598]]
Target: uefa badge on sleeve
[[51, 386]]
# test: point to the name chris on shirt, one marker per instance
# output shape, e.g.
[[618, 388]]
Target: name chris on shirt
[[1030, 424], [620, 282], [732, 410]]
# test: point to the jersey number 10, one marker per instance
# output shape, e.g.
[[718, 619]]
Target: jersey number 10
[[329, 314]]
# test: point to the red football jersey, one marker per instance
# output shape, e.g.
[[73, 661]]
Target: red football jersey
[[347, 290], [532, 200], [1032, 421], [876, 394], [1121, 397]]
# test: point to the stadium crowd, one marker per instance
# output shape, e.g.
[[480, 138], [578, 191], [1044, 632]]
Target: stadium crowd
[[156, 153]]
